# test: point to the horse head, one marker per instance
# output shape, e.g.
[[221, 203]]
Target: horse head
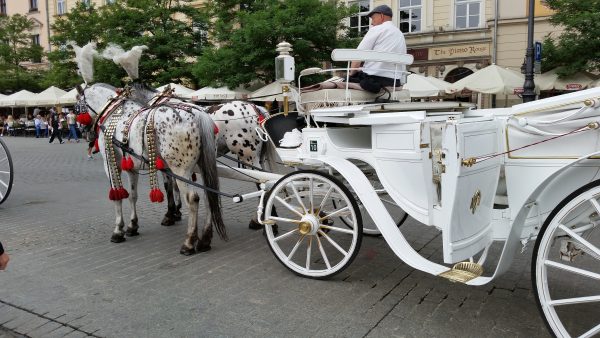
[[96, 97]]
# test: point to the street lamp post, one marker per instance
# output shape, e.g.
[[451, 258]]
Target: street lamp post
[[529, 85]]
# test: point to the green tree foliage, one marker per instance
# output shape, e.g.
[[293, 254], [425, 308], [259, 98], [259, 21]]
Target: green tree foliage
[[170, 28], [246, 34], [16, 48], [578, 47]]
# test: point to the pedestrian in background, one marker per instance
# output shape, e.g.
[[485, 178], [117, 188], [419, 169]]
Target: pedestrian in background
[[54, 122], [72, 123], [37, 122], [3, 258]]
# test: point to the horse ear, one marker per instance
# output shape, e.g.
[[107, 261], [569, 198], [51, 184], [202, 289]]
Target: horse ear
[[79, 89]]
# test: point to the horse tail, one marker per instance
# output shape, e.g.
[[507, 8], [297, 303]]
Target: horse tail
[[208, 165]]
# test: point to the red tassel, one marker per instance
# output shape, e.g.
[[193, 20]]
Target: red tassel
[[156, 196], [130, 163], [194, 177], [124, 164], [112, 194], [215, 128], [160, 165], [261, 118], [84, 118], [123, 193]]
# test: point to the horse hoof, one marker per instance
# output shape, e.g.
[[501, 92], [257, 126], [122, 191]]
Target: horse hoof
[[167, 221], [187, 251], [202, 247], [177, 215], [131, 232], [116, 238], [254, 225]]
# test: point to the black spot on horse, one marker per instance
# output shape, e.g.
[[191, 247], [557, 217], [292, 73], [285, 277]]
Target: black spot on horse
[[241, 153], [234, 143], [240, 135], [244, 130], [230, 112], [226, 121], [246, 144]]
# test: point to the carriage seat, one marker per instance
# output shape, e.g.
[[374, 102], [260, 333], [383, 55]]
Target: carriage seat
[[335, 94]]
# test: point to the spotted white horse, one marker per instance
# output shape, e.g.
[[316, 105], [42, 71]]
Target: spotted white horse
[[184, 140]]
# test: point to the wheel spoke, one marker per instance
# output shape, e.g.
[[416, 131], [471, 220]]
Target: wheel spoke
[[580, 239], [308, 249], [287, 205], [323, 253], [325, 198], [346, 231], [335, 213], [289, 257], [5, 159], [4, 184], [332, 242], [573, 269], [595, 204], [591, 332], [286, 235], [283, 219], [576, 300], [298, 196], [310, 194], [4, 172]]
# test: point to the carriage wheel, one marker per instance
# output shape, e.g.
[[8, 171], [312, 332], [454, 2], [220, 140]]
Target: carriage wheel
[[6, 172], [309, 242], [566, 265]]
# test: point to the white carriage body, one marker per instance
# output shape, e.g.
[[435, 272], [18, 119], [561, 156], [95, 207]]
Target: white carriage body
[[420, 153]]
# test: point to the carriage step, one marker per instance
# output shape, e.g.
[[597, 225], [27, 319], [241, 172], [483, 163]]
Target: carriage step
[[463, 272]]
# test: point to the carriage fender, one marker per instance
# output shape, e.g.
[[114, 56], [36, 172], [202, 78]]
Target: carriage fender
[[514, 238], [383, 220]]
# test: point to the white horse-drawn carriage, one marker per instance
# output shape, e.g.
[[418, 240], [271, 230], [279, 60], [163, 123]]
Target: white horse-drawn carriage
[[485, 178], [6, 172], [529, 173]]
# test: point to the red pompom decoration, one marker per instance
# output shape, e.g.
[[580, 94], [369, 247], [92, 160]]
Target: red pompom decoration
[[215, 128], [261, 118], [194, 177], [112, 194], [156, 196], [130, 162], [126, 163], [160, 165], [84, 119], [122, 193]]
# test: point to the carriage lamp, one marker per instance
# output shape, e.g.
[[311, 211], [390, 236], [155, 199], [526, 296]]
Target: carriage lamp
[[284, 71]]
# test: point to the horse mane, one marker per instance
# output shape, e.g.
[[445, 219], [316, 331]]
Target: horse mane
[[142, 93]]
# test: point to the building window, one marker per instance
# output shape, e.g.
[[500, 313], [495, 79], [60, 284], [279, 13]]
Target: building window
[[86, 2], [411, 15], [61, 7], [33, 5], [35, 39], [2, 7], [359, 23], [468, 13], [108, 2]]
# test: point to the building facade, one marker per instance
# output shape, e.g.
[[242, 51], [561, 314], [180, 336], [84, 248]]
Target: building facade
[[37, 11]]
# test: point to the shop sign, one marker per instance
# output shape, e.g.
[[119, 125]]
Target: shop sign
[[518, 91], [459, 51], [574, 86], [419, 54]]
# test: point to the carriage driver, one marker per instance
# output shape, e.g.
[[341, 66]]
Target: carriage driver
[[382, 36]]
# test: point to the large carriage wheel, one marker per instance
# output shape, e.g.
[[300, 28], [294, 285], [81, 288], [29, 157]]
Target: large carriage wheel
[[309, 242], [6, 172], [566, 265]]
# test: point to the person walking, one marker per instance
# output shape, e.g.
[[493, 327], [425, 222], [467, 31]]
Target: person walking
[[72, 123], [3, 258], [37, 122], [56, 131]]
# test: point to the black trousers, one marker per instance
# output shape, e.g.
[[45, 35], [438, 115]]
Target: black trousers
[[56, 133], [372, 83]]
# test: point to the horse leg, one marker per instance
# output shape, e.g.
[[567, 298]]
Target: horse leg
[[132, 228], [169, 218], [118, 235], [177, 198], [191, 199], [207, 232]]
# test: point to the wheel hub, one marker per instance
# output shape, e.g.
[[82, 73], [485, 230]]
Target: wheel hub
[[309, 225]]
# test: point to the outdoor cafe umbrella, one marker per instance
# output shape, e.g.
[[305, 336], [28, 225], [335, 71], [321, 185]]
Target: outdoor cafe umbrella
[[71, 96], [492, 79], [219, 94], [550, 80], [19, 99], [181, 91], [425, 86], [267, 93], [49, 97]]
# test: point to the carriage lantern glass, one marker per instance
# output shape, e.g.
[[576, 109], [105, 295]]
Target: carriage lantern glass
[[284, 63]]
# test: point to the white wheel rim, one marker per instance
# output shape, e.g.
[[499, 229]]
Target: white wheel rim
[[319, 253], [6, 172], [547, 263]]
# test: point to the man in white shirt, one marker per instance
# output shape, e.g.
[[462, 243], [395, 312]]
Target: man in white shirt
[[382, 36]]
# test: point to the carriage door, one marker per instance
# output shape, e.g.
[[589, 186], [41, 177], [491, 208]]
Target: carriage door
[[468, 190]]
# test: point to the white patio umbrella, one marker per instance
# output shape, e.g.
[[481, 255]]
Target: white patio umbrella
[[550, 80], [71, 96], [219, 94], [267, 93], [492, 79], [19, 99], [180, 90], [425, 86], [49, 97]]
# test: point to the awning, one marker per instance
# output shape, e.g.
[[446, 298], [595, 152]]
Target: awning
[[267, 93], [49, 97], [492, 79], [18, 99], [425, 86], [219, 94], [551, 81]]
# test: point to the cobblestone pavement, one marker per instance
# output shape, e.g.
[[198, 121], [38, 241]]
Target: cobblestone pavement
[[67, 279]]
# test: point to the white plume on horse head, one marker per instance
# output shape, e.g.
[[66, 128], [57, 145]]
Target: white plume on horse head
[[84, 56], [129, 60]]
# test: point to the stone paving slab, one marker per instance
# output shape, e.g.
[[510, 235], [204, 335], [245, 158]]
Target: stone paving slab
[[66, 279]]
